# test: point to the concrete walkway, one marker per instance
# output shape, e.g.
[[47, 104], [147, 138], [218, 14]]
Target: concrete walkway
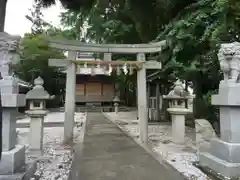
[[108, 154]]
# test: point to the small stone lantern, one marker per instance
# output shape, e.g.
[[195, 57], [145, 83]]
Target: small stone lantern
[[116, 101], [37, 98], [177, 98]]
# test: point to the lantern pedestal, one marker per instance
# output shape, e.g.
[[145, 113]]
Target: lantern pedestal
[[116, 101], [36, 128], [13, 156], [178, 124]]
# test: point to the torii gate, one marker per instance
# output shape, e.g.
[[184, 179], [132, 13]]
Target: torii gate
[[74, 46]]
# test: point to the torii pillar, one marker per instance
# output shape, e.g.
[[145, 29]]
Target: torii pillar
[[70, 94], [70, 98], [142, 95], [142, 100]]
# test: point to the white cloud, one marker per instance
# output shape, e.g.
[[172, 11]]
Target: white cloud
[[17, 24]]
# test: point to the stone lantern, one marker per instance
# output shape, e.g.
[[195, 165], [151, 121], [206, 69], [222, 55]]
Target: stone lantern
[[37, 98], [116, 101], [177, 98]]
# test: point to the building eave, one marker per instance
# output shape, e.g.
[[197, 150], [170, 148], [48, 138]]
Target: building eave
[[153, 76]]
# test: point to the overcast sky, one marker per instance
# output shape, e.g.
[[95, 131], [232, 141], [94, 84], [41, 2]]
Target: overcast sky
[[17, 24]]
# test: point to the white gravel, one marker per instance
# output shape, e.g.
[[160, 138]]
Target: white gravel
[[55, 162], [180, 157]]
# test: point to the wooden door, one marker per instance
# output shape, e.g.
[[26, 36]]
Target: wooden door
[[93, 89], [80, 89], [108, 89]]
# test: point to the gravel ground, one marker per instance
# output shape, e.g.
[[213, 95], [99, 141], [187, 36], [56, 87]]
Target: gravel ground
[[181, 157], [55, 162]]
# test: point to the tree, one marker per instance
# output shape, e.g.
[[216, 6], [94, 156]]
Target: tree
[[34, 62], [193, 38], [116, 17], [36, 18], [104, 27]]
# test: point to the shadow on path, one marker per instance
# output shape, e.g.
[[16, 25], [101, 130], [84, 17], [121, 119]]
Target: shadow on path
[[108, 154]]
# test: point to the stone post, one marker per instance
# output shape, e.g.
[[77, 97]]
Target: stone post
[[70, 97], [142, 100], [158, 101], [178, 112], [149, 112], [116, 104], [13, 156], [223, 157], [178, 123], [190, 102], [37, 98]]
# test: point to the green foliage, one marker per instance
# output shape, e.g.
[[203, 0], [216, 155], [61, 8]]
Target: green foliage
[[193, 39], [34, 62], [118, 21], [105, 26], [190, 37]]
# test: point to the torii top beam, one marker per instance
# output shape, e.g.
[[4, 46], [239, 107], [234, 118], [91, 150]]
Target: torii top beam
[[75, 45]]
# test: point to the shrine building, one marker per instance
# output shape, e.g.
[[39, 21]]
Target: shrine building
[[93, 84]]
